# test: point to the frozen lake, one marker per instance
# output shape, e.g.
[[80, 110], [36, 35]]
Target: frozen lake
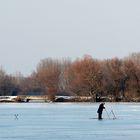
[[68, 121]]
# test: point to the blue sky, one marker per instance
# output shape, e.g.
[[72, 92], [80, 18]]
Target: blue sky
[[31, 30]]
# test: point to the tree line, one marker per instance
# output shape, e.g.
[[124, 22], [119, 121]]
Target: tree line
[[115, 78]]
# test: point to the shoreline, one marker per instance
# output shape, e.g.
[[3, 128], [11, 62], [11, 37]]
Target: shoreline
[[61, 99]]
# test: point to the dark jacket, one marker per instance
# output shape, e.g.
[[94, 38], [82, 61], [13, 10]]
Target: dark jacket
[[100, 109]]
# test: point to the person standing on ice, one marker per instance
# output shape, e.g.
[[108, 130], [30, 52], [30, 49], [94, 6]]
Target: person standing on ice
[[100, 110]]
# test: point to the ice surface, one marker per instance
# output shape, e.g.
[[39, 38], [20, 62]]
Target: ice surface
[[69, 121]]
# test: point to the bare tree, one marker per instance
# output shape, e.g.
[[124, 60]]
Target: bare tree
[[85, 77], [48, 74]]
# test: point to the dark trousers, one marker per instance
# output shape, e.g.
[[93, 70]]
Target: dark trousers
[[100, 116]]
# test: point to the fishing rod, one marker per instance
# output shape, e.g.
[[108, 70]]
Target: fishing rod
[[112, 112], [16, 116], [114, 116]]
